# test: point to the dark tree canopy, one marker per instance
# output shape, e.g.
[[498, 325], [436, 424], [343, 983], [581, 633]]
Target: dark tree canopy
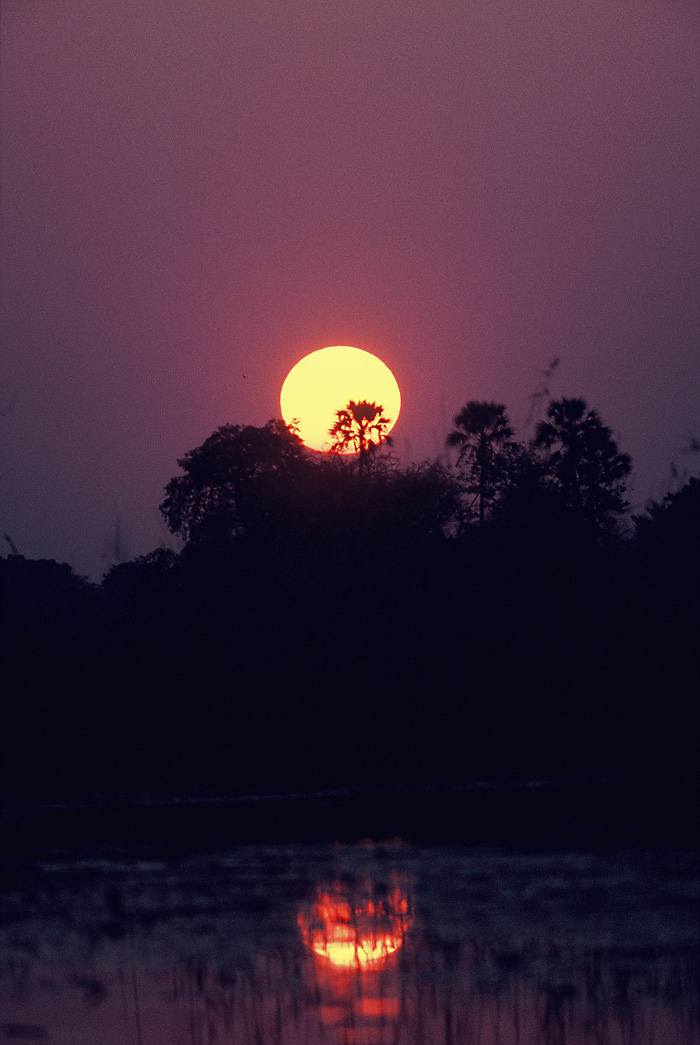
[[483, 436], [241, 480], [40, 590], [671, 527], [583, 460], [530, 505], [262, 483], [398, 507]]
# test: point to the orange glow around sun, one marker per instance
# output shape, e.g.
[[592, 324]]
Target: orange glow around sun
[[325, 381], [354, 931]]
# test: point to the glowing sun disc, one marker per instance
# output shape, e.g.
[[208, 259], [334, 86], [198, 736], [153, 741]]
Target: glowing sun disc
[[325, 381]]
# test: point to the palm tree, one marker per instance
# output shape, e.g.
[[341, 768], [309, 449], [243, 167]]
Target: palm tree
[[583, 459], [359, 427], [483, 435]]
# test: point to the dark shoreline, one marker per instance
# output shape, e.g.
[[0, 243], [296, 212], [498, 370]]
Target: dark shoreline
[[566, 815]]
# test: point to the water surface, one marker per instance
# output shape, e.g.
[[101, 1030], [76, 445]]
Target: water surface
[[432, 943]]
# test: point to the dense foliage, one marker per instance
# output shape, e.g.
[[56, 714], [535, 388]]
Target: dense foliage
[[242, 479], [325, 626]]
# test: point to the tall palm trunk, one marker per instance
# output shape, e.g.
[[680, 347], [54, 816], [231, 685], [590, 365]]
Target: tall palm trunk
[[483, 452]]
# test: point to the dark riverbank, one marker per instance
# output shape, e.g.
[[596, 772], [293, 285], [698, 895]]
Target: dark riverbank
[[529, 814], [377, 670]]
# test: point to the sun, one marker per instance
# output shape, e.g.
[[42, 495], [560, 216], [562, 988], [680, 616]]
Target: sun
[[325, 381]]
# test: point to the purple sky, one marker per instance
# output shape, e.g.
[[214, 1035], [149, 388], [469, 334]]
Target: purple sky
[[195, 195]]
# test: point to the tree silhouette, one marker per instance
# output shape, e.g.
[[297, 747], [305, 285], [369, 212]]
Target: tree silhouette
[[669, 529], [530, 505], [483, 436], [583, 460], [241, 480], [359, 427]]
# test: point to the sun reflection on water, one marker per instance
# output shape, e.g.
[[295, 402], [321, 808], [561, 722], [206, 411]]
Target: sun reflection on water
[[355, 928]]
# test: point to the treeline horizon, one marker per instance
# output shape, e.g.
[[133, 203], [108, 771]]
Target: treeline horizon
[[336, 620]]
